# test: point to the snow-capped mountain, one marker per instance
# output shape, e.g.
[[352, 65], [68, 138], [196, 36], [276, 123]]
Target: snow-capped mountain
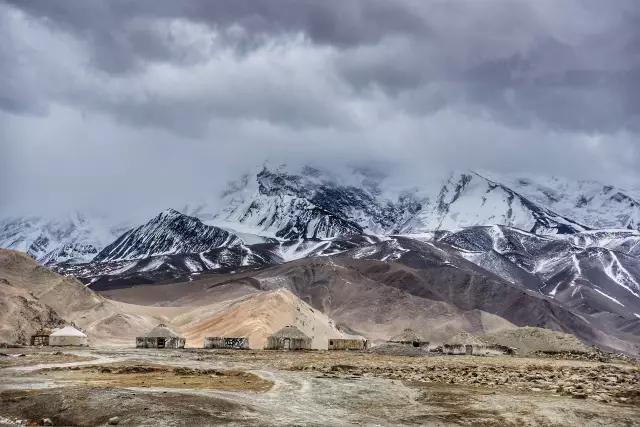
[[596, 205], [287, 204], [75, 238], [168, 233], [530, 251], [469, 199], [600, 274], [311, 204]]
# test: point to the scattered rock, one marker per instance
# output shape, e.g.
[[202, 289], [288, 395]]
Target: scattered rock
[[113, 421], [46, 422]]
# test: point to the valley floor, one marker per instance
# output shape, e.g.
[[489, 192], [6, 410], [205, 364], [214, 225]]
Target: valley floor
[[190, 387]]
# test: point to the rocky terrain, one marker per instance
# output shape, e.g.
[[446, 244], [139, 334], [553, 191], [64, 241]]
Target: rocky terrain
[[318, 387]]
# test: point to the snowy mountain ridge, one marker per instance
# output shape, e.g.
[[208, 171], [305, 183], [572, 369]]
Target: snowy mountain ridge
[[171, 232], [283, 204]]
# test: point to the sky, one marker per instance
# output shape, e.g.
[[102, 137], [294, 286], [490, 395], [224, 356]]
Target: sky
[[136, 106]]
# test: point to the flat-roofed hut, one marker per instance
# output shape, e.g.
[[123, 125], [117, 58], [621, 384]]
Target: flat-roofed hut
[[288, 338], [348, 344], [234, 343], [41, 337], [160, 337]]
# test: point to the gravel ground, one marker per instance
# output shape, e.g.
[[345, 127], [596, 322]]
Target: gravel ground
[[320, 388]]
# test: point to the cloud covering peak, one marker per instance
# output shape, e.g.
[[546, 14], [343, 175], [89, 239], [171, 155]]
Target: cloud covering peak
[[148, 102]]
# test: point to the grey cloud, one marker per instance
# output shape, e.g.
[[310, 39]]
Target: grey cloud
[[157, 102], [582, 79], [121, 38], [572, 67]]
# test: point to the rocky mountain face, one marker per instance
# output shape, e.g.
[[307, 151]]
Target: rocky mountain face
[[311, 205], [283, 204], [168, 233], [76, 238], [470, 199], [546, 252], [597, 205]]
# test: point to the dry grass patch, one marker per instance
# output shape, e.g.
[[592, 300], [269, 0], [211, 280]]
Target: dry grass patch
[[160, 376], [29, 359]]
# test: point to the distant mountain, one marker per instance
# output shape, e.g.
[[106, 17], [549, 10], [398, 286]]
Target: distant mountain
[[281, 204], [168, 233], [601, 275], [470, 199], [591, 203], [75, 238], [309, 204], [537, 252]]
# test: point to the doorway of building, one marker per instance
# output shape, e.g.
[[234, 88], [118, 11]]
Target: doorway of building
[[287, 344], [161, 342]]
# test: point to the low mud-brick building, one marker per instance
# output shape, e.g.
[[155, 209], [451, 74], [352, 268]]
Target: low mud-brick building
[[288, 338], [160, 337], [234, 343], [348, 344], [409, 337]]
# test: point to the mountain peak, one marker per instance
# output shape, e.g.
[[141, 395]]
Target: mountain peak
[[169, 213], [170, 232]]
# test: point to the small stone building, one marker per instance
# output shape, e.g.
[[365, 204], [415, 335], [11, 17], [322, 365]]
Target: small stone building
[[235, 343], [41, 337], [160, 337], [457, 349], [68, 336], [348, 344], [478, 349], [288, 338], [409, 337]]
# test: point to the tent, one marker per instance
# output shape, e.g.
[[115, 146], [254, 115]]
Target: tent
[[68, 336]]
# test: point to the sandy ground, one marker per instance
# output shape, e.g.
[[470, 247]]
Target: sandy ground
[[170, 387], [20, 358]]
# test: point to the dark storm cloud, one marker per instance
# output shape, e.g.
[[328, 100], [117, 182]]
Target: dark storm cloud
[[573, 65], [509, 62], [510, 85], [122, 36]]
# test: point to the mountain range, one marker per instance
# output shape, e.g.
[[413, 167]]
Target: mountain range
[[530, 250]]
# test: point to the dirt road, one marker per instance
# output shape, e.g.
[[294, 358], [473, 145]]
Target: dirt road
[[311, 388]]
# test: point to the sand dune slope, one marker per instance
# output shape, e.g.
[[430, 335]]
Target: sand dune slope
[[257, 316]]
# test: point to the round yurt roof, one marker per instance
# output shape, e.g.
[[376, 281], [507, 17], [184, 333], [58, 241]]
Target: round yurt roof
[[68, 331], [290, 332], [163, 331], [408, 335], [463, 337]]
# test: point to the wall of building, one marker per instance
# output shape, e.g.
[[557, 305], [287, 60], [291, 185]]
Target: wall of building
[[347, 344], [153, 342], [67, 340], [40, 340], [478, 350], [284, 343], [237, 343], [412, 343]]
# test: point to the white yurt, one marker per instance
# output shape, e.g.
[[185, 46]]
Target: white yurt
[[68, 336]]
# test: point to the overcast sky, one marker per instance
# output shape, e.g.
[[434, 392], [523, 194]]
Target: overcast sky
[[140, 105]]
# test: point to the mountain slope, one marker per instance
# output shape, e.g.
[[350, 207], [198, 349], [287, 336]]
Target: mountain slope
[[470, 199], [310, 204], [168, 233], [591, 279], [588, 202], [76, 238]]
